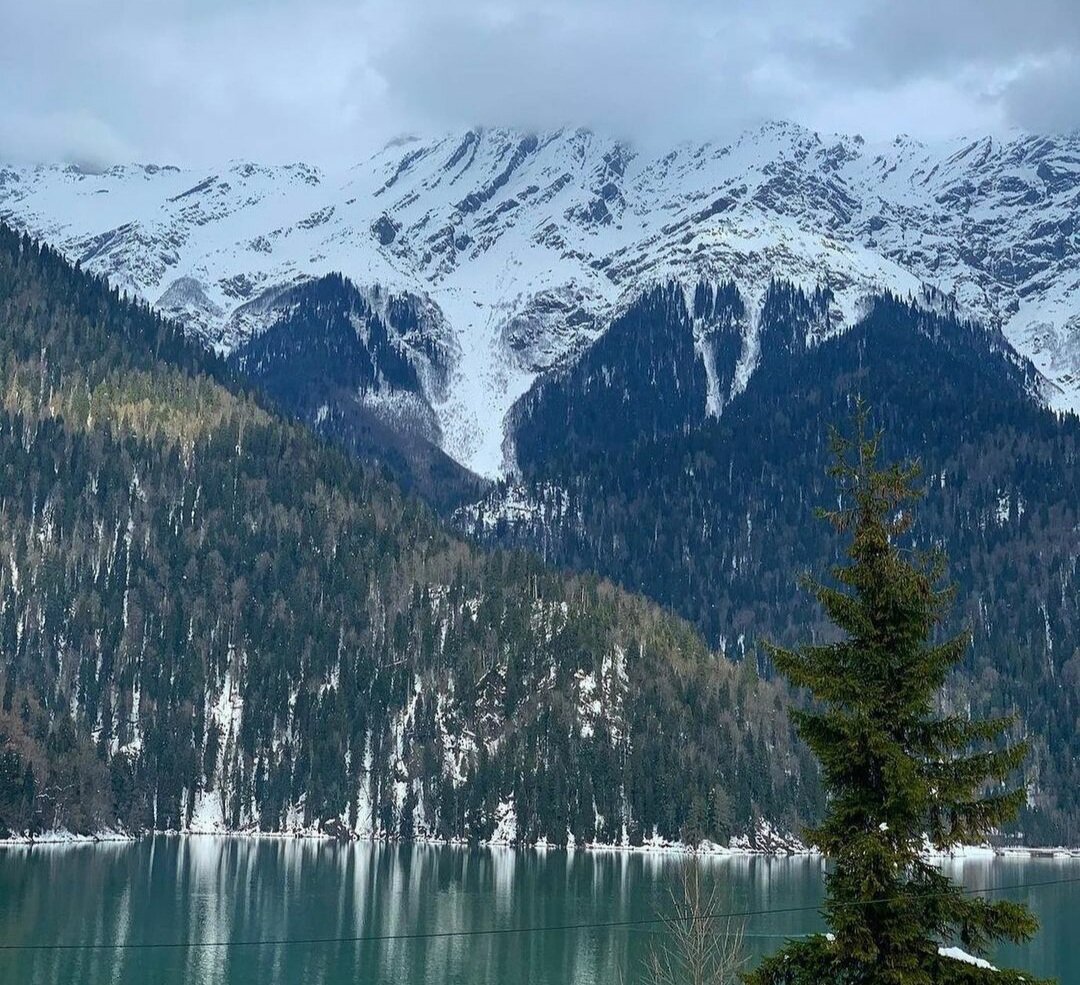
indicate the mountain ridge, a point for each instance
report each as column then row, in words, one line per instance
column 212, row 619
column 528, row 245
column 712, row 517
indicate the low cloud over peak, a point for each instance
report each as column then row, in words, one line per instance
column 331, row 80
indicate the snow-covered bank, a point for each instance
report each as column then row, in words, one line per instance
column 741, row 846
column 1002, row 851
column 764, row 840
column 738, row 848
column 63, row 837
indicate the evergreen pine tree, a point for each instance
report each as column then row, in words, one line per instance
column 897, row 773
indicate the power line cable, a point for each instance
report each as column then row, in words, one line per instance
column 494, row 931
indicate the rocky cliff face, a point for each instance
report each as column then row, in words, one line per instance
column 526, row 246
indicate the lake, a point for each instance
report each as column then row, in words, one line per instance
column 164, row 890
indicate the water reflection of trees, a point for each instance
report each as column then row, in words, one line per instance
column 196, row 888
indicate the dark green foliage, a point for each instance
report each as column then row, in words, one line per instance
column 896, row 772
column 328, row 332
column 642, row 377
column 80, row 320
column 48, row 777
column 713, row 523
column 332, row 360
column 202, row 604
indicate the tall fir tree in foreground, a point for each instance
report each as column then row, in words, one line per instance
column 896, row 772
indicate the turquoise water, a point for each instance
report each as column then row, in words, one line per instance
column 164, row 890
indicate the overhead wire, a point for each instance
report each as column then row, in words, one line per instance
column 422, row 935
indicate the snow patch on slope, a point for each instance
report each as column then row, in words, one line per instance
column 527, row 244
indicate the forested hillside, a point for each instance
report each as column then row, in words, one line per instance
column 207, row 616
column 356, row 370
column 714, row 517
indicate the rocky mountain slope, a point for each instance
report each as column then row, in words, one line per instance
column 360, row 369
column 714, row 517
column 209, row 619
column 524, row 246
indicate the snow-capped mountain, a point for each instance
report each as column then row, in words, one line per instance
column 526, row 245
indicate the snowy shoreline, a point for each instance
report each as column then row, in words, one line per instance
column 655, row 846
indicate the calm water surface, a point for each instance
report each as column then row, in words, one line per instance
column 165, row 890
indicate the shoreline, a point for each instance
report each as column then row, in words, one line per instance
column 63, row 839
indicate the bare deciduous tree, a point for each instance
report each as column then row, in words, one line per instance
column 696, row 947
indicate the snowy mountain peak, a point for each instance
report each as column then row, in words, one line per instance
column 528, row 244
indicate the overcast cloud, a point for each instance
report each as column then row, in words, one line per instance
column 193, row 81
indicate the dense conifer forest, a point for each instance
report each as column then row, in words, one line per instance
column 353, row 368
column 714, row 517
column 898, row 774
column 208, row 614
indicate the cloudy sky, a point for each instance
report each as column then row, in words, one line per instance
column 192, row 81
